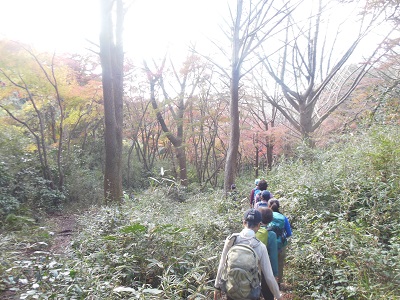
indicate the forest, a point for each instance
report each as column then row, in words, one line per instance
column 116, row 175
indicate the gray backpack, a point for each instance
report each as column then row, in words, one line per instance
column 240, row 278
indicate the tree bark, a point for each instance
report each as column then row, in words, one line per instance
column 176, row 141
column 234, row 138
column 112, row 58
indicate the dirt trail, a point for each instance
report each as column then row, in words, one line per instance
column 64, row 227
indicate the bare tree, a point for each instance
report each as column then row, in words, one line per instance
column 208, row 149
column 37, row 130
column 250, row 25
column 187, row 81
column 145, row 132
column 314, row 77
column 112, row 60
column 263, row 115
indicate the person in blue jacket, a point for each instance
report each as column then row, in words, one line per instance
column 273, row 204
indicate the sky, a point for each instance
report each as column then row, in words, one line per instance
column 151, row 26
column 49, row 24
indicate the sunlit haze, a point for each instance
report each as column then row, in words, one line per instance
column 152, row 27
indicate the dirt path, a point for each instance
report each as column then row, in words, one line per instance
column 64, row 227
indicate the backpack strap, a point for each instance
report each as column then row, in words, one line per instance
column 232, row 239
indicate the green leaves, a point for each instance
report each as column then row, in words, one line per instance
column 343, row 204
column 168, row 251
column 135, row 228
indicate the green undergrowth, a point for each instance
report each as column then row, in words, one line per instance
column 154, row 247
column 343, row 204
column 151, row 247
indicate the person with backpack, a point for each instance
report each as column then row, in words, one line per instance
column 262, row 186
column 268, row 237
column 265, row 196
column 243, row 258
column 281, row 226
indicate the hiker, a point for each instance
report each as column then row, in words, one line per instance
column 252, row 192
column 235, row 282
column 262, row 186
column 284, row 231
column 265, row 196
column 268, row 237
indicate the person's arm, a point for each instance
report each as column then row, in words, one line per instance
column 273, row 252
column 288, row 229
column 267, row 271
column 227, row 245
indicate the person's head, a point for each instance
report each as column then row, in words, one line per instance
column 262, row 185
column 274, row 205
column 252, row 219
column 266, row 215
column 265, row 195
column 256, row 181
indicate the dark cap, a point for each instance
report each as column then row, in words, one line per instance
column 252, row 216
column 266, row 195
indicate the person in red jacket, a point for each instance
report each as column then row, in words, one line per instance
column 252, row 192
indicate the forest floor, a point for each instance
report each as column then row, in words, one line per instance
column 66, row 225
column 63, row 228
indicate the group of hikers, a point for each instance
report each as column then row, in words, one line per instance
column 252, row 261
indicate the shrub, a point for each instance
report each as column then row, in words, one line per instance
column 344, row 207
column 8, row 203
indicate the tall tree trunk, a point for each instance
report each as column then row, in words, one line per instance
column 112, row 58
column 306, row 122
column 269, row 142
column 232, row 154
column 181, row 157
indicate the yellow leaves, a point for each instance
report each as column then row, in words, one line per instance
column 31, row 148
column 73, row 117
column 48, row 80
